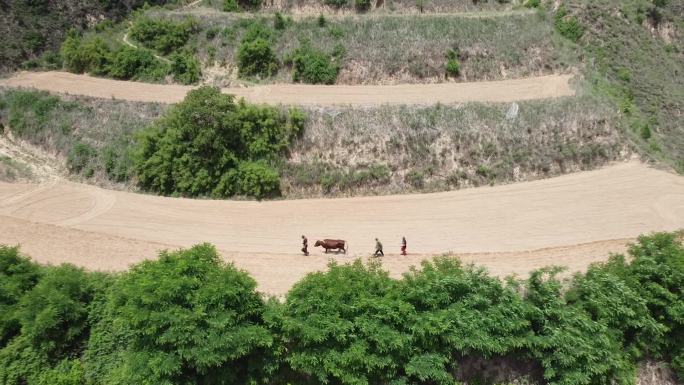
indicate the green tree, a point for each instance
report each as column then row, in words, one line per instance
column 17, row 276
column 54, row 314
column 197, row 147
column 190, row 319
column 344, row 326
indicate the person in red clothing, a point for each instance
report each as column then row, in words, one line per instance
column 403, row 245
column 305, row 246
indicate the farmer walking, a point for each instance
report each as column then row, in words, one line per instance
column 378, row 248
column 403, row 245
column 305, row 246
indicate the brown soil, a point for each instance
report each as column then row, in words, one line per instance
column 541, row 87
column 572, row 220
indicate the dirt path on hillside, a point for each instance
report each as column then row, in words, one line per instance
column 541, row 87
column 571, row 220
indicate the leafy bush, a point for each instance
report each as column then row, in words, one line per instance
column 29, row 111
column 200, row 320
column 255, row 179
column 91, row 56
column 568, row 26
column 362, row 5
column 533, row 3
column 163, row 35
column 344, row 326
column 79, row 159
column 17, row 276
column 572, row 347
column 139, row 64
column 54, row 313
column 256, row 58
column 230, row 6
column 453, row 67
column 198, row 146
column 94, row 56
column 314, row 66
column 185, row 68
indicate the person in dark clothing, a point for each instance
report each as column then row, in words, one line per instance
column 403, row 245
column 305, row 246
column 378, row 248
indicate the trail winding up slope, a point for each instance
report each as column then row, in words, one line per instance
column 541, row 87
column 571, row 220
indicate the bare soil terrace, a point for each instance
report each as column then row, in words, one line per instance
column 572, row 220
column 542, row 87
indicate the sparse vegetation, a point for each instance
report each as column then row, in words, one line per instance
column 350, row 324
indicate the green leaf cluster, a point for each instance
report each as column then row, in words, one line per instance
column 314, row 66
column 209, row 145
column 162, row 35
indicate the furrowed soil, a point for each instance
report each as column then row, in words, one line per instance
column 542, row 87
column 572, row 220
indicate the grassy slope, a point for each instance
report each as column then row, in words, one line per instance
column 346, row 151
column 389, row 49
column 638, row 65
column 30, row 28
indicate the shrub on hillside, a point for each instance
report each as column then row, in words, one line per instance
column 314, row 66
column 453, row 67
column 568, row 26
column 185, row 68
column 362, row 5
column 163, row 35
column 79, row 160
column 139, row 64
column 255, row 55
column 17, row 276
column 197, row 147
column 254, row 179
column 86, row 56
column 200, row 321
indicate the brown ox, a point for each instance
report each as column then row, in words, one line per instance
column 327, row 244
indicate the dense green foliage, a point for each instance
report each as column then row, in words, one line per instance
column 453, row 67
column 185, row 68
column 92, row 55
column 567, row 25
column 200, row 321
column 163, row 35
column 314, row 66
column 210, row 145
column 189, row 318
column 255, row 56
column 17, row 276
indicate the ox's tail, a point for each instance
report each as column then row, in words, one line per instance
column 346, row 246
